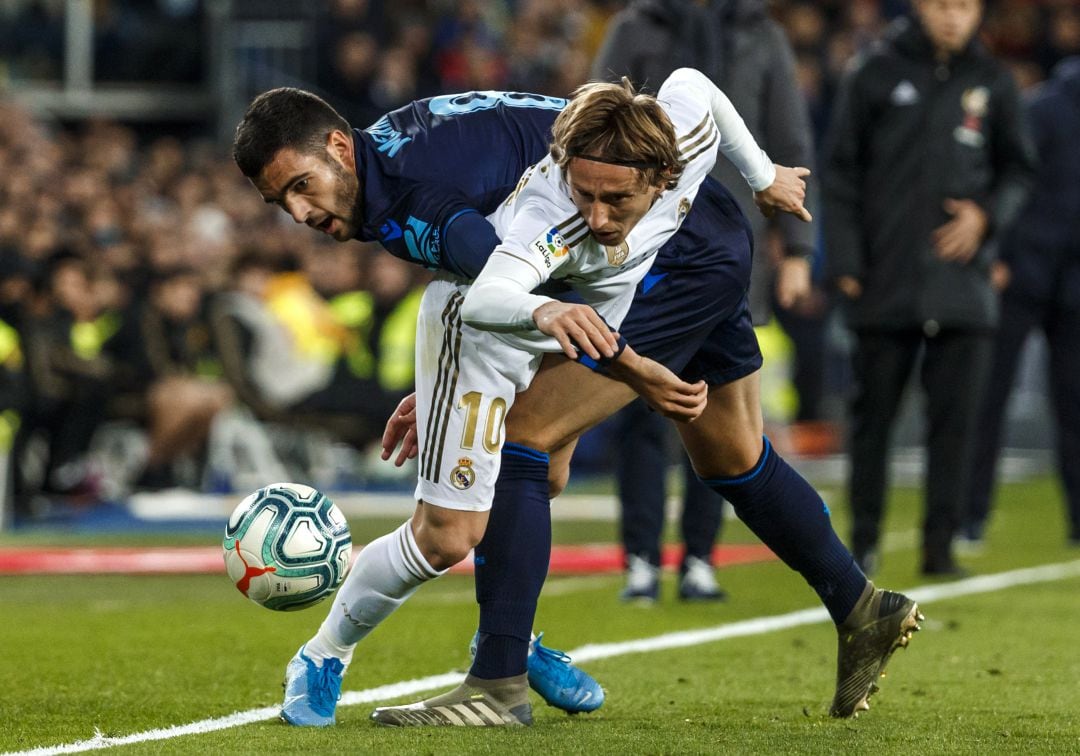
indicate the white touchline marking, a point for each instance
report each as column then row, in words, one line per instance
column 591, row 652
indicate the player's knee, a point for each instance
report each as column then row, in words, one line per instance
column 538, row 440
column 444, row 553
column 729, row 461
column 523, row 431
column 445, row 548
column 445, row 537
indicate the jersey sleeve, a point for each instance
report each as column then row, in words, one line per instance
column 499, row 299
column 440, row 228
column 531, row 250
column 468, row 241
column 691, row 101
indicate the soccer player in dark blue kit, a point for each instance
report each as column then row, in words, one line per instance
column 428, row 204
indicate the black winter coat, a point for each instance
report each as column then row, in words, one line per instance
column 908, row 133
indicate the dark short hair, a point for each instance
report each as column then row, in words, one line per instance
column 279, row 118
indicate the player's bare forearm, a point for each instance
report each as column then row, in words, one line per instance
column 786, row 193
column 664, row 391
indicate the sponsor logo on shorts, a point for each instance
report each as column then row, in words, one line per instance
column 462, row 476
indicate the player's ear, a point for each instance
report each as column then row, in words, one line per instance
column 340, row 145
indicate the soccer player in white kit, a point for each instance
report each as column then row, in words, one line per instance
column 478, row 344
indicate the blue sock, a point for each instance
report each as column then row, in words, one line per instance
column 788, row 515
column 512, row 563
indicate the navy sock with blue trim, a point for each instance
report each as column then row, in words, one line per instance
column 512, row 563
column 788, row 515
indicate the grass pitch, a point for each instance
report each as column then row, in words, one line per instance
column 993, row 672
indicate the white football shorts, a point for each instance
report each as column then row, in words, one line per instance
column 466, row 381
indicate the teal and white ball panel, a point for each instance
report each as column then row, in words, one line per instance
column 287, row 546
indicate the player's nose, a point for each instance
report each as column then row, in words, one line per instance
column 598, row 216
column 298, row 209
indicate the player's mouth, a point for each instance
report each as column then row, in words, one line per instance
column 607, row 237
column 327, row 226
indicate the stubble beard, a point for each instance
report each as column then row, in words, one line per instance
column 347, row 197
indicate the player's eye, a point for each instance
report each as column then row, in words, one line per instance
column 300, row 185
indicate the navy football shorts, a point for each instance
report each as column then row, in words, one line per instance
column 690, row 312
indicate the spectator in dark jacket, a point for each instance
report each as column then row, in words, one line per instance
column 926, row 159
column 1040, row 270
column 69, row 376
column 747, row 55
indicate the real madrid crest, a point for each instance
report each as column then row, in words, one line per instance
column 462, row 476
column 684, row 209
column 617, row 255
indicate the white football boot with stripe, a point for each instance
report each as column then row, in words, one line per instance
column 505, row 705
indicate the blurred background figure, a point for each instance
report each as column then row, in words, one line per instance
column 64, row 334
column 172, row 375
column 643, row 451
column 930, row 109
column 1039, row 269
column 738, row 45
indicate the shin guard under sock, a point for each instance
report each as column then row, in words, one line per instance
column 512, row 563
column 386, row 572
column 788, row 515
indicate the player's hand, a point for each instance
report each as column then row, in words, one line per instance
column 792, row 281
column 576, row 325
column 661, row 389
column 958, row 240
column 786, row 193
column 401, row 429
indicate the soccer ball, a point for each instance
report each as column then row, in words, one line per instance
column 287, row 546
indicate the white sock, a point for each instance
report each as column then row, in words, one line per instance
column 385, row 573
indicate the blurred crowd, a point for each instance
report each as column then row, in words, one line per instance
column 373, row 55
column 149, row 282
column 142, row 279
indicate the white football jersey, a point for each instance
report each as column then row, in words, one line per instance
column 541, row 227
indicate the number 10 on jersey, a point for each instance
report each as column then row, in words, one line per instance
column 472, row 403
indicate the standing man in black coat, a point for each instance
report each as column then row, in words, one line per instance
column 1040, row 270
column 925, row 161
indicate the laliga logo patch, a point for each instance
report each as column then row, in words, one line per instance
column 462, row 476
column 975, row 103
column 555, row 243
column 551, row 247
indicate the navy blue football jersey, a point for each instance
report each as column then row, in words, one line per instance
column 431, row 171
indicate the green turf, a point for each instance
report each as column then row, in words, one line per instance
column 990, row 673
